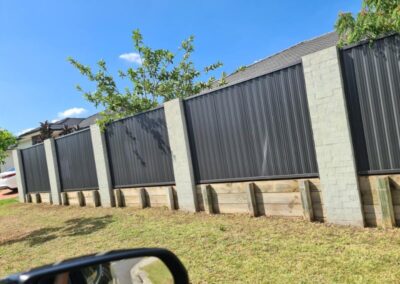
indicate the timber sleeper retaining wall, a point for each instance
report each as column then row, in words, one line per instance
column 141, row 197
column 371, row 201
column 269, row 198
column 272, row 198
column 39, row 197
column 90, row 198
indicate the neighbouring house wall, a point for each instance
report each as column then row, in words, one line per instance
column 25, row 143
column 8, row 162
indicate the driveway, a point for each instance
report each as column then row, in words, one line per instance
column 7, row 193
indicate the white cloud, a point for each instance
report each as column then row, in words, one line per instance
column 71, row 112
column 24, row 131
column 131, row 57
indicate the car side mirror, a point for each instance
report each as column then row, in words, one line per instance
column 145, row 265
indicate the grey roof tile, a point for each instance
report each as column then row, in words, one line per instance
column 284, row 58
column 89, row 120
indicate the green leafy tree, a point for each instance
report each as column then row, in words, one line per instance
column 376, row 18
column 7, row 139
column 160, row 77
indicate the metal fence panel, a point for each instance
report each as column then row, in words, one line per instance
column 258, row 129
column 76, row 161
column 139, row 152
column 35, row 169
column 371, row 74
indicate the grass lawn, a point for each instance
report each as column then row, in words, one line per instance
column 158, row 272
column 219, row 248
column 8, row 201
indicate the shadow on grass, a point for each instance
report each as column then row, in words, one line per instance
column 70, row 228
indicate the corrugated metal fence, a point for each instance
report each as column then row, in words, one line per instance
column 76, row 164
column 35, row 168
column 138, row 150
column 371, row 75
column 258, row 129
column 254, row 130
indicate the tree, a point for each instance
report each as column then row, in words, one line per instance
column 158, row 78
column 68, row 129
column 45, row 131
column 7, row 139
column 376, row 18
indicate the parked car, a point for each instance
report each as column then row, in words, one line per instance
column 8, row 179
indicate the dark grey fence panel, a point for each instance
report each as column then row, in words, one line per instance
column 76, row 161
column 258, row 129
column 35, row 169
column 139, row 152
column 371, row 75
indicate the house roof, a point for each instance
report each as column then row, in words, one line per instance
column 285, row 58
column 89, row 120
column 58, row 125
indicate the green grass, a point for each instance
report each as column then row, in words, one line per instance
column 8, row 201
column 215, row 249
column 158, row 273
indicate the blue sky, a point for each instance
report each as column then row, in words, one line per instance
column 36, row 37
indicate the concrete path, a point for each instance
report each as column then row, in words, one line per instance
column 7, row 193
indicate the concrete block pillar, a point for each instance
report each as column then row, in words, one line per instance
column 181, row 156
column 102, row 166
column 332, row 137
column 52, row 167
column 20, row 175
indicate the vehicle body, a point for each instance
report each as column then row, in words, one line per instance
column 8, row 179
